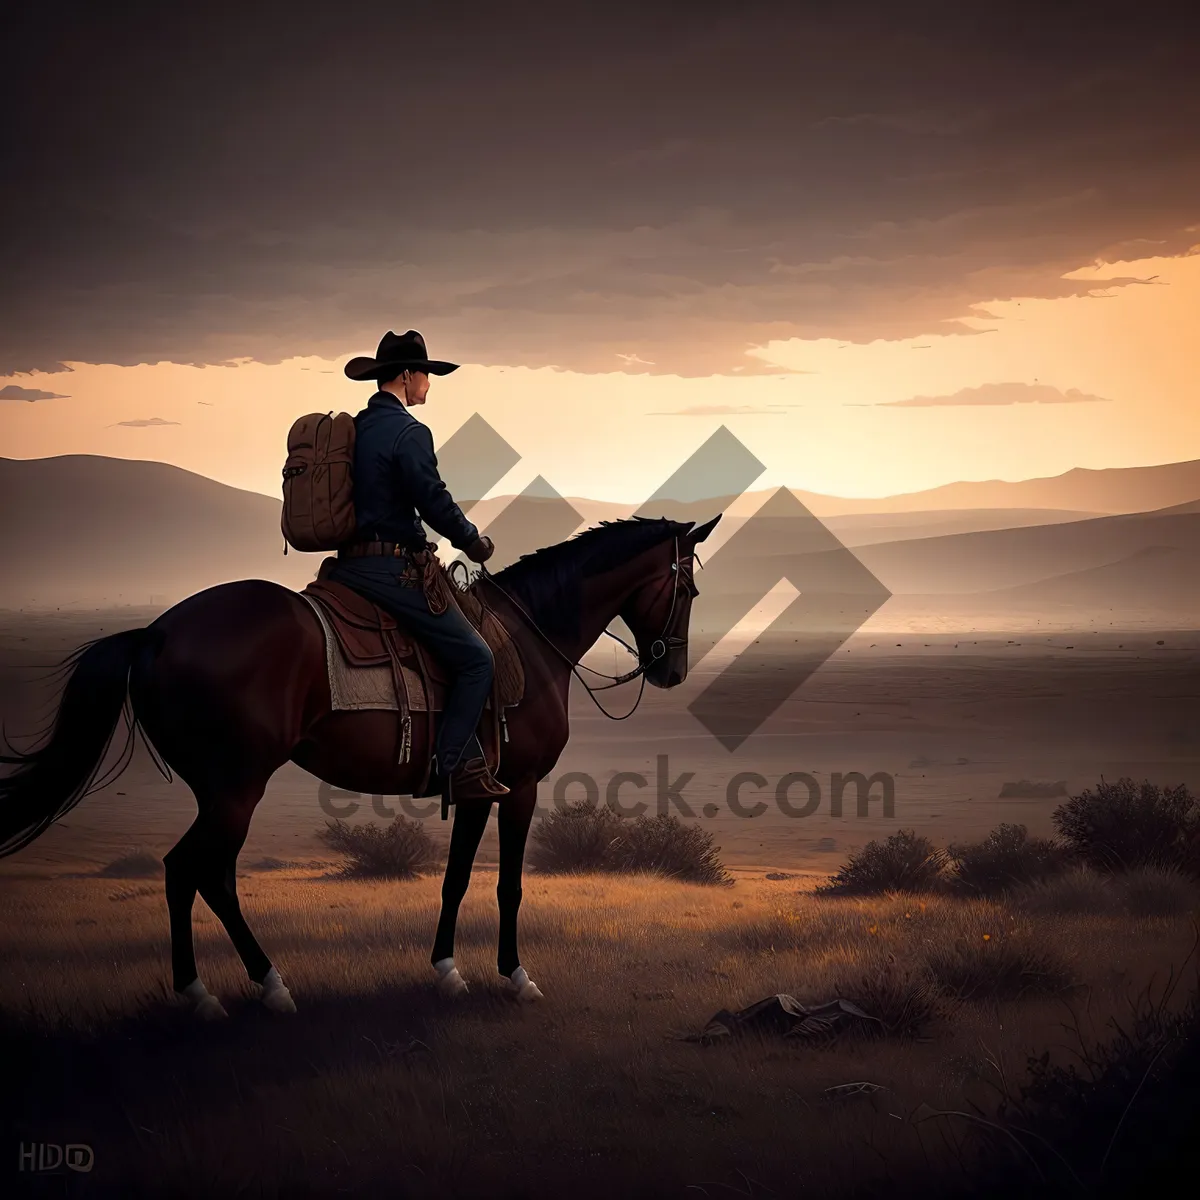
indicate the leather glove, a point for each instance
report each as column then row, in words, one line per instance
column 481, row 549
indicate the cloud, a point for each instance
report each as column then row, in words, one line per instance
column 718, row 410
column 143, row 422
column 773, row 195
column 12, row 392
column 1000, row 394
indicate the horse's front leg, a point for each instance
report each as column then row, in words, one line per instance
column 516, row 813
column 470, row 820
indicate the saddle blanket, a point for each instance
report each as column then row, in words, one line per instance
column 353, row 688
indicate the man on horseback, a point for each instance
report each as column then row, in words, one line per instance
column 396, row 487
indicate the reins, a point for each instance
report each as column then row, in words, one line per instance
column 658, row 648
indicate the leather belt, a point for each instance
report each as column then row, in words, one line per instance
column 363, row 549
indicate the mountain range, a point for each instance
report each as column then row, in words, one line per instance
column 85, row 529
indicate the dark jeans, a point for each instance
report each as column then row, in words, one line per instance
column 451, row 638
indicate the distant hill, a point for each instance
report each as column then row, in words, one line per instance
column 89, row 529
column 1161, row 577
column 84, row 528
column 1009, row 558
column 1112, row 490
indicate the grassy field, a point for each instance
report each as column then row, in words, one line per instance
column 377, row 1086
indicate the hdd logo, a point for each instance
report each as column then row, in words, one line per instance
column 781, row 543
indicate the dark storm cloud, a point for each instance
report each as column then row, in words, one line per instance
column 1000, row 393
column 579, row 186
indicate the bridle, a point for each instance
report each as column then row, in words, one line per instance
column 659, row 648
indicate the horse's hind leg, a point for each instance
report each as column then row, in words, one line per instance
column 181, row 864
column 205, row 860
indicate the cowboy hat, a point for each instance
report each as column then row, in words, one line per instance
column 397, row 353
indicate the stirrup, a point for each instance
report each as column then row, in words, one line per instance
column 471, row 780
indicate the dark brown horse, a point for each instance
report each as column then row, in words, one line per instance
column 232, row 683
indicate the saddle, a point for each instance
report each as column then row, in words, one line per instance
column 369, row 637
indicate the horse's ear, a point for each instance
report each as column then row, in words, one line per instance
column 702, row 531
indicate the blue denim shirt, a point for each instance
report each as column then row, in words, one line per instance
column 396, row 480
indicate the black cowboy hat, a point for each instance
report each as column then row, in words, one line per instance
column 398, row 353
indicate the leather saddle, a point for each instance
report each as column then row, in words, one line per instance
column 367, row 636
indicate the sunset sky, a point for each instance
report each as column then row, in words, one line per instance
column 886, row 253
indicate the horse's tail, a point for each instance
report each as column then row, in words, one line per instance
column 50, row 780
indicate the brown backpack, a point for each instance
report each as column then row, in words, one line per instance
column 318, row 482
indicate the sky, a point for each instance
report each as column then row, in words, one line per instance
column 887, row 249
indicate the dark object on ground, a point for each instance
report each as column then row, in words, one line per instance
column 779, row 875
column 904, row 862
column 784, row 1015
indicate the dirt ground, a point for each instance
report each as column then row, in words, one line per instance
column 374, row 1087
column 950, row 716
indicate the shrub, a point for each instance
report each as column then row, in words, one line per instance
column 583, row 837
column 401, row 850
column 1077, row 890
column 577, row 837
column 666, row 846
column 1156, row 892
column 1006, row 858
column 904, row 862
column 999, row 966
column 905, row 1002
column 1123, row 824
column 1095, row 1116
column 137, row 864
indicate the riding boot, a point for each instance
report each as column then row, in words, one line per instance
column 471, row 780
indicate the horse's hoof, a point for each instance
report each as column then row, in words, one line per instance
column 205, row 1005
column 279, row 1000
column 275, row 995
column 521, row 987
column 450, row 983
column 209, row 1008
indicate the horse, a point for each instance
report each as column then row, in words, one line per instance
column 232, row 682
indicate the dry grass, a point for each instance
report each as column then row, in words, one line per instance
column 1145, row 892
column 375, row 1084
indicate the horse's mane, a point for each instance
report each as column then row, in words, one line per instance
column 547, row 582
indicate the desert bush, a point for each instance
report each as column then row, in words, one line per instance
column 137, row 864
column 1155, row 892
column 1122, row 825
column 583, row 837
column 400, row 850
column 904, row 862
column 906, row 1002
column 1006, row 858
column 1095, row 1115
column 577, row 837
column 1077, row 890
column 665, row 845
column 996, row 966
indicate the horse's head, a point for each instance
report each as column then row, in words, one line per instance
column 658, row 612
